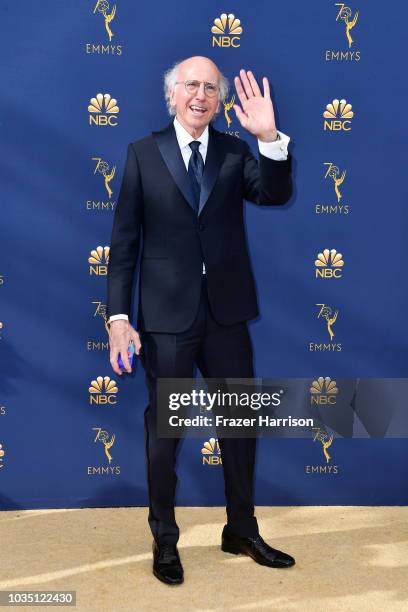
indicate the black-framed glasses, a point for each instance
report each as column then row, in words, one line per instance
column 210, row 89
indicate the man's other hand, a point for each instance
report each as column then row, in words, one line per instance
column 120, row 334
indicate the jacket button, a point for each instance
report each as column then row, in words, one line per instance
column 200, row 227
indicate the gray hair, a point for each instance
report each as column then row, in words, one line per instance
column 170, row 78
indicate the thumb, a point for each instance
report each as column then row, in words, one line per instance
column 242, row 118
column 136, row 342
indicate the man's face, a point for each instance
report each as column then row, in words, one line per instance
column 195, row 111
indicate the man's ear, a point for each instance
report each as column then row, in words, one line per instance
column 171, row 95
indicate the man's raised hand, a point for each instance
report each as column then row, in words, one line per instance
column 256, row 114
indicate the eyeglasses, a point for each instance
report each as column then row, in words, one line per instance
column 210, row 89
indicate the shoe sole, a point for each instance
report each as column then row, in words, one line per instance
column 236, row 551
column 230, row 549
column 162, row 579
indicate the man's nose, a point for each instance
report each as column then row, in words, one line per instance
column 201, row 91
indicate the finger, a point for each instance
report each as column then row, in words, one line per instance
column 241, row 94
column 137, row 343
column 246, row 83
column 124, row 354
column 114, row 362
column 125, row 360
column 242, row 118
column 254, row 83
column 265, row 83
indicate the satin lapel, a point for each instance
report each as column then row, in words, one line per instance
column 212, row 167
column 168, row 146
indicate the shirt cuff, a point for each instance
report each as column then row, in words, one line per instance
column 118, row 316
column 277, row 149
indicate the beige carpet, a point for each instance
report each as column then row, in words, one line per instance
column 348, row 558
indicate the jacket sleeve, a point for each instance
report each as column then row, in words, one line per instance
column 267, row 182
column 125, row 238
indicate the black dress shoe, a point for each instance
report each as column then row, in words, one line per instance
column 256, row 548
column 166, row 563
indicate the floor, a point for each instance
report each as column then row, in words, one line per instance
column 347, row 558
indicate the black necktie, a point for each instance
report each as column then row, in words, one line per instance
column 195, row 171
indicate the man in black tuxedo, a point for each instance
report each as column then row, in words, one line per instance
column 183, row 191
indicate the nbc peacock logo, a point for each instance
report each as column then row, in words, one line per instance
column 338, row 115
column 102, row 391
column 99, row 260
column 103, row 110
column 323, row 391
column 2, row 453
column 226, row 31
column 329, row 264
column 211, row 453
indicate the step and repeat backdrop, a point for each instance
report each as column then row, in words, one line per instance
column 82, row 79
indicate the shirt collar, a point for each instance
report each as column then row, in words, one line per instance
column 184, row 138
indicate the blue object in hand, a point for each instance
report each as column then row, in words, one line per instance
column 131, row 353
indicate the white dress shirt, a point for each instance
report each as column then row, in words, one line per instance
column 277, row 150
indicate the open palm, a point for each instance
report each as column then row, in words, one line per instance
column 256, row 114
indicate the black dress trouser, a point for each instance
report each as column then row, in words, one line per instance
column 218, row 351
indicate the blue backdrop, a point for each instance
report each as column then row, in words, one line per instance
column 57, row 162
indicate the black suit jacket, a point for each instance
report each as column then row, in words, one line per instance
column 156, row 204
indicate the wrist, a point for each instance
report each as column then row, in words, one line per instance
column 271, row 136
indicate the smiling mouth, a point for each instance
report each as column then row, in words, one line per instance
column 197, row 110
